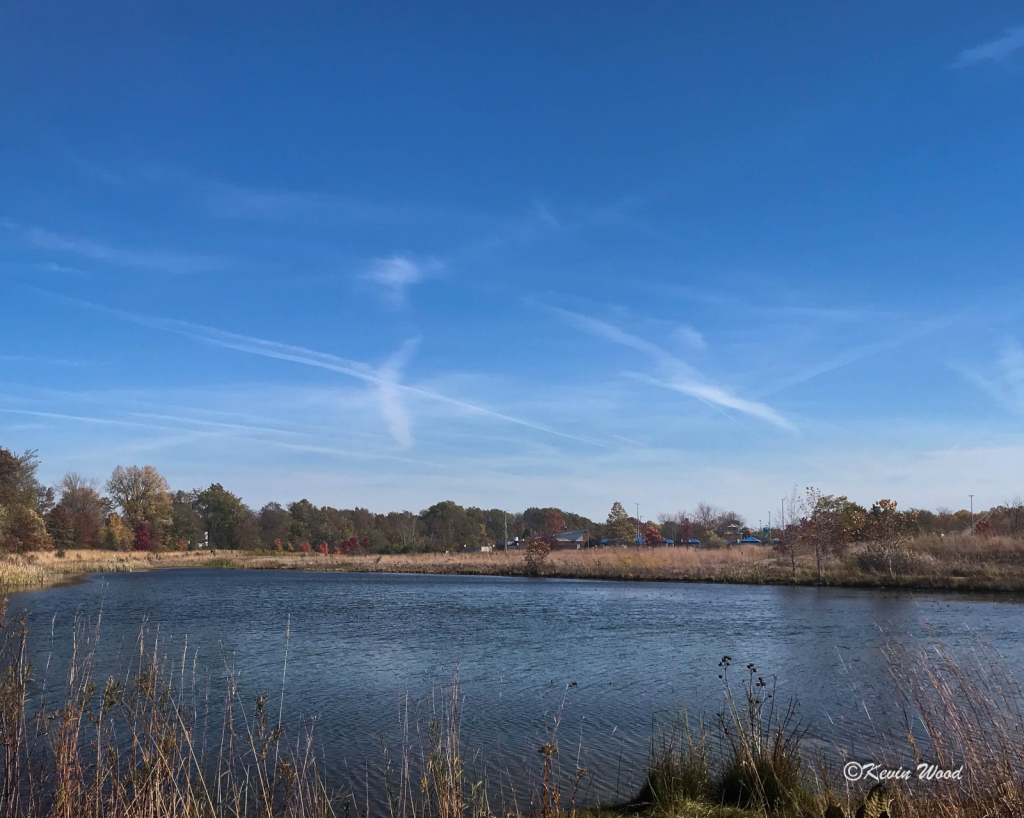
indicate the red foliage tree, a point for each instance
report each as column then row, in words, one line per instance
column 365, row 543
column 685, row 530
column 142, row 540
column 323, row 549
column 350, row 546
column 305, row 547
column 554, row 523
column 651, row 534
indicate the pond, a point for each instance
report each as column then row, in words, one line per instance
column 608, row 660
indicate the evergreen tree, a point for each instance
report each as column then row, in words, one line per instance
column 619, row 524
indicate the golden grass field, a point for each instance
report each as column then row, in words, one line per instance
column 961, row 563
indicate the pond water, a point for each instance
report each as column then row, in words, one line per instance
column 612, row 658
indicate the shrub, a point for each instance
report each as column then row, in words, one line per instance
column 884, row 558
column 536, row 552
column 677, row 770
column 350, row 546
column 762, row 769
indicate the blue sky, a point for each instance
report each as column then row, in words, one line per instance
column 383, row 254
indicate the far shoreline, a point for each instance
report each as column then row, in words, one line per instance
column 743, row 565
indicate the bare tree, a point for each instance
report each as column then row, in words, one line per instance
column 889, row 530
column 405, row 528
column 706, row 517
column 81, row 499
column 729, row 520
column 829, row 525
column 1015, row 516
column 791, row 509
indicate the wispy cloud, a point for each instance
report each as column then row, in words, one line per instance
column 159, row 260
column 395, row 275
column 673, row 373
column 390, row 394
column 194, row 434
column 94, row 170
column 861, row 352
column 1006, row 383
column 543, row 212
column 995, row 50
column 40, row 359
column 229, row 200
column 764, row 306
column 322, row 360
column 690, row 337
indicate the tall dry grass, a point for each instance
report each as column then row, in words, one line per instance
column 151, row 743
column 45, row 568
column 152, row 746
column 741, row 564
column 956, row 562
column 961, row 710
column 928, row 562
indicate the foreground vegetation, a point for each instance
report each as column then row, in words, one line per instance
column 965, row 563
column 149, row 740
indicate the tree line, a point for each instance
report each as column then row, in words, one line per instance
column 136, row 509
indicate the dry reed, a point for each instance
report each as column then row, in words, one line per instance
column 956, row 562
column 154, row 745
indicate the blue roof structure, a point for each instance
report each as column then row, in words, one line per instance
column 751, row 540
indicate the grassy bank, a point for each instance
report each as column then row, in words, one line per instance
column 962, row 563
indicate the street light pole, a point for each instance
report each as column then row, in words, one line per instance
column 638, row 521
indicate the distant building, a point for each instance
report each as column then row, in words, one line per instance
column 570, row 540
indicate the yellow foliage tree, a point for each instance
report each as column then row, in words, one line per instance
column 119, row 536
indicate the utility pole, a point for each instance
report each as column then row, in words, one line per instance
column 638, row 521
column 972, row 512
column 504, row 517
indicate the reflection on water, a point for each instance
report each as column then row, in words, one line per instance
column 610, row 657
